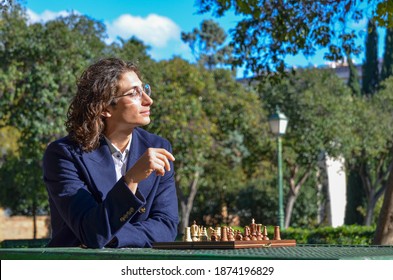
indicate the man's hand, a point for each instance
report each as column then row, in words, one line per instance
column 153, row 160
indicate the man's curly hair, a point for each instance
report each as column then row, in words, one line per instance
column 96, row 89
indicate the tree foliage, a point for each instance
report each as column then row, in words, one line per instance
column 272, row 29
column 38, row 68
column 387, row 64
column 370, row 66
column 208, row 44
column 316, row 103
column 212, row 122
column 371, row 142
column 353, row 80
column 217, row 126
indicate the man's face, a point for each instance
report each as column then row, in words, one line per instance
column 129, row 112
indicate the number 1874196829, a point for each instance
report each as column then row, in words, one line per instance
column 229, row 270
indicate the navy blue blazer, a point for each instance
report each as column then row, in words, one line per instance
column 90, row 208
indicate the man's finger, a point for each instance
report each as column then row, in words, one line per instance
column 165, row 160
column 167, row 154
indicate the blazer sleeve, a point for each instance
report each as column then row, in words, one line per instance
column 161, row 222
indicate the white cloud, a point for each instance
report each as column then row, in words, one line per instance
column 32, row 16
column 159, row 32
column 46, row 15
column 154, row 30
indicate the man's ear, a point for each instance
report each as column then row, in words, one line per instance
column 106, row 114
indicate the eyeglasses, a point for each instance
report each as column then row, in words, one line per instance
column 136, row 93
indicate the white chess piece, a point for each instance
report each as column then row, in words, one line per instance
column 218, row 232
column 195, row 232
column 187, row 235
column 203, row 235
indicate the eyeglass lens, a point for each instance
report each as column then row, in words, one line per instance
column 147, row 89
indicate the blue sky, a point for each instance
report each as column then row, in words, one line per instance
column 158, row 23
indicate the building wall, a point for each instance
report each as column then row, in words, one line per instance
column 21, row 227
column 337, row 185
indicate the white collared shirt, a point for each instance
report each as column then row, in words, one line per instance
column 119, row 158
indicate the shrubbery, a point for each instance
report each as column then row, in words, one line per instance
column 344, row 235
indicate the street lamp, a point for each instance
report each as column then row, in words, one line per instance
column 278, row 124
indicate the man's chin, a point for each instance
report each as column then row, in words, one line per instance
column 145, row 122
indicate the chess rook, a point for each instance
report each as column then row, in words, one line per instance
column 187, row 235
column 277, row 233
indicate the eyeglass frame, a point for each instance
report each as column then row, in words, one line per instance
column 146, row 88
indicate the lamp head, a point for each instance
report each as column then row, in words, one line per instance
column 278, row 123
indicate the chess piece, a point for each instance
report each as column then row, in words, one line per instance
column 224, row 233
column 259, row 232
column 254, row 236
column 209, row 233
column 277, row 233
column 253, row 228
column 218, row 232
column 195, row 232
column 238, row 236
column 231, row 235
column 265, row 237
column 187, row 235
column 200, row 233
column 246, row 233
column 213, row 236
column 204, row 234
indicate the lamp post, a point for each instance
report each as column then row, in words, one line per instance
column 278, row 125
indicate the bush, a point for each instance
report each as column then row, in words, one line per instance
column 344, row 235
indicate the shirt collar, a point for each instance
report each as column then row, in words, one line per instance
column 114, row 149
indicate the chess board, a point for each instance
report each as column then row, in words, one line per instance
column 237, row 244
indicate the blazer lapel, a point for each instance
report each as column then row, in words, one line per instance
column 101, row 168
column 138, row 146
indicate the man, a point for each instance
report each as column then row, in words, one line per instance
column 110, row 183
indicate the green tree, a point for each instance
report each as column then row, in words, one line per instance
column 136, row 51
column 271, row 30
column 316, row 103
column 38, row 67
column 179, row 117
column 355, row 197
column 241, row 141
column 370, row 66
column 214, row 124
column 8, row 140
column 208, row 44
column 353, row 80
column 263, row 38
column 387, row 65
column 371, row 141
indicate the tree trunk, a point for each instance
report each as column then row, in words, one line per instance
column 372, row 191
column 370, row 210
column 186, row 202
column 185, row 216
column 34, row 212
column 34, row 227
column 384, row 231
column 294, row 191
column 289, row 208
